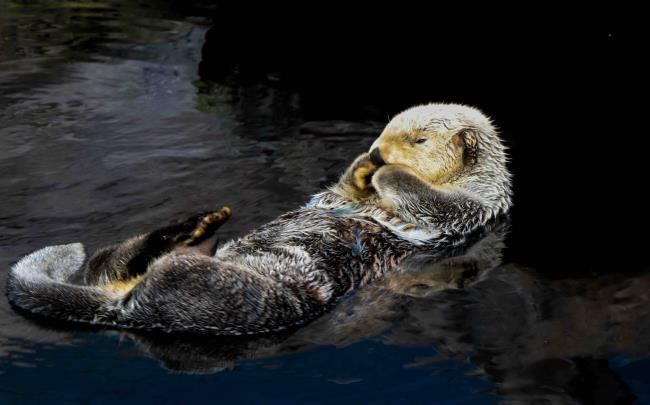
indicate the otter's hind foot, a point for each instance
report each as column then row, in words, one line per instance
column 207, row 225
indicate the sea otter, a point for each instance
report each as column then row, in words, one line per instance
column 436, row 174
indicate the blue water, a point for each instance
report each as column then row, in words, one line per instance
column 95, row 372
column 117, row 117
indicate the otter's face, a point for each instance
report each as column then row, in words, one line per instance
column 434, row 154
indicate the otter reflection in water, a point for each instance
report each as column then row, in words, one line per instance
column 535, row 339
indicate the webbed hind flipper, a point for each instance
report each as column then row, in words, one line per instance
column 131, row 258
column 207, row 225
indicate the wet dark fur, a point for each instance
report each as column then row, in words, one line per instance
column 319, row 256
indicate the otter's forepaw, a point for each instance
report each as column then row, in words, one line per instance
column 356, row 182
column 362, row 174
column 392, row 174
column 206, row 226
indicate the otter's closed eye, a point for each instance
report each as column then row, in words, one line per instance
column 421, row 140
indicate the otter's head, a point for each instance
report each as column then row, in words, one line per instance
column 448, row 145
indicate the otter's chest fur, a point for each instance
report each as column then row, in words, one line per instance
column 324, row 252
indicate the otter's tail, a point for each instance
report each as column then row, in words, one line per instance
column 39, row 284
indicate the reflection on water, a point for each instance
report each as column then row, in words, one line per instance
column 107, row 129
column 539, row 340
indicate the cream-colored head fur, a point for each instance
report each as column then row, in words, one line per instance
column 449, row 145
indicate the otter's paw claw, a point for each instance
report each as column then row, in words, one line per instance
column 207, row 225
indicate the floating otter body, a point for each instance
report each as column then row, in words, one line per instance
column 435, row 175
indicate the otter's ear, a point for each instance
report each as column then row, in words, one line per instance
column 467, row 139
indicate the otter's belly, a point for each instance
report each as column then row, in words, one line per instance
column 317, row 250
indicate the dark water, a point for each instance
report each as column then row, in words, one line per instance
column 117, row 117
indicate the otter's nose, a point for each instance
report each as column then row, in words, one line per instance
column 375, row 157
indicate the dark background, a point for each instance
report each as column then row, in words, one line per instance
column 555, row 84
